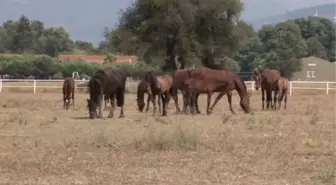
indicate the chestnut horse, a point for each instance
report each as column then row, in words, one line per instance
column 143, row 88
column 180, row 76
column 266, row 80
column 205, row 80
column 282, row 90
column 160, row 86
column 68, row 90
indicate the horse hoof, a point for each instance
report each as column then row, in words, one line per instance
column 122, row 116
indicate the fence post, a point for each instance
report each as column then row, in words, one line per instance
column 34, row 86
column 0, row 85
column 290, row 88
column 327, row 87
column 252, row 85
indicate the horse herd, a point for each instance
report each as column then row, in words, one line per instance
column 110, row 84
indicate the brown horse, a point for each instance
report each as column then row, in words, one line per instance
column 109, row 82
column 282, row 90
column 266, row 79
column 205, row 80
column 68, row 90
column 143, row 88
column 160, row 86
column 180, row 76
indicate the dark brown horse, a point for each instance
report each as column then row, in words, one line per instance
column 180, row 76
column 266, row 80
column 160, row 86
column 109, row 82
column 282, row 90
column 143, row 88
column 209, row 81
column 68, row 92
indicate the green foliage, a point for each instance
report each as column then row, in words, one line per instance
column 22, row 66
column 31, row 36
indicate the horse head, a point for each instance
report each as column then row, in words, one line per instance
column 257, row 77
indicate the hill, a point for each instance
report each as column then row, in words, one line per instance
column 326, row 10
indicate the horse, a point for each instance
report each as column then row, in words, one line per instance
column 68, row 89
column 143, row 88
column 282, row 88
column 179, row 78
column 205, row 80
column 160, row 86
column 109, row 82
column 266, row 79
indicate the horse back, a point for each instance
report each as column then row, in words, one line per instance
column 165, row 82
column 179, row 78
column 68, row 85
column 283, row 83
column 270, row 77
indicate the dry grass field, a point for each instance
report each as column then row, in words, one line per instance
column 40, row 143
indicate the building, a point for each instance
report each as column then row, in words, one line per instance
column 99, row 58
column 315, row 69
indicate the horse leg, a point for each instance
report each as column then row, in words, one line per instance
column 73, row 99
column 64, row 101
column 263, row 98
column 209, row 102
column 186, row 101
column 159, row 96
column 280, row 97
column 229, row 97
column 196, row 103
column 268, row 98
column 175, row 97
column 285, row 103
column 153, row 99
column 165, row 100
column 219, row 96
column 148, row 100
column 100, row 115
column 191, row 101
column 275, row 99
column 112, row 107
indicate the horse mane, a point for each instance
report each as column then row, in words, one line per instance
column 150, row 78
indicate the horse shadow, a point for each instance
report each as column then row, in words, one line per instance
column 80, row 118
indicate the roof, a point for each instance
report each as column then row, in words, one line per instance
column 314, row 59
column 98, row 58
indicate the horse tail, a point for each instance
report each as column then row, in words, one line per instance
column 120, row 93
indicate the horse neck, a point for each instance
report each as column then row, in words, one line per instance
column 240, row 88
column 141, row 92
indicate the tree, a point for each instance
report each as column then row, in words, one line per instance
column 179, row 31
column 55, row 40
column 284, row 43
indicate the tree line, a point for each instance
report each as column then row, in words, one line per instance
column 168, row 35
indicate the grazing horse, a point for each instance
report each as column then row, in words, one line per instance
column 282, row 88
column 205, row 80
column 68, row 89
column 266, row 79
column 180, row 76
column 143, row 88
column 109, row 82
column 160, row 86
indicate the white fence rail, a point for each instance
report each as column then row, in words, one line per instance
column 35, row 84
